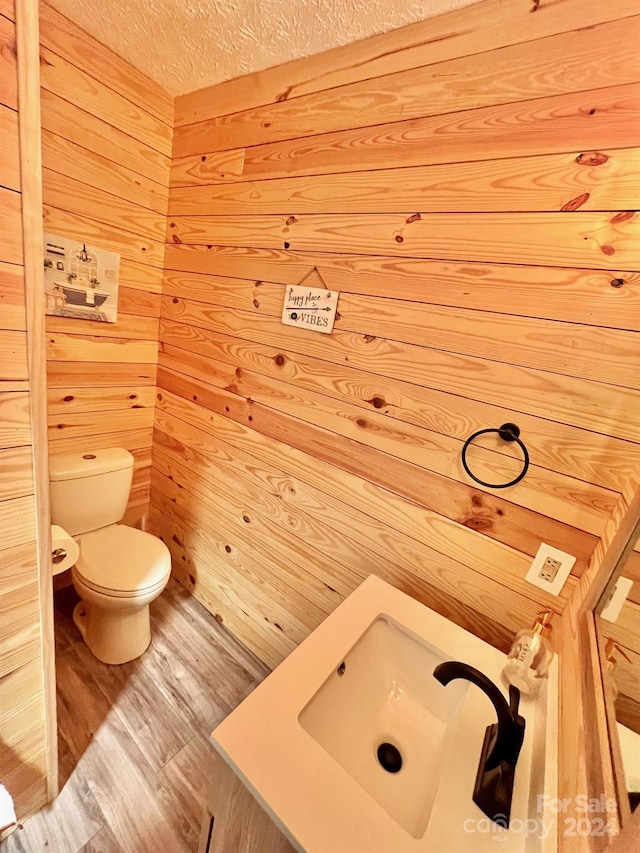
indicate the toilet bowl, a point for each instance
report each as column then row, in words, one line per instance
column 119, row 572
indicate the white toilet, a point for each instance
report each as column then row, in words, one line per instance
column 120, row 570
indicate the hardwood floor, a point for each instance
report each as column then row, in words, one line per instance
column 133, row 739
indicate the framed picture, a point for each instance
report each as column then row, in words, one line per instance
column 80, row 280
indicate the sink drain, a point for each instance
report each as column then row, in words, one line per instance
column 389, row 757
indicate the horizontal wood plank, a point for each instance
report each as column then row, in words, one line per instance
column 84, row 374
column 13, row 355
column 61, row 401
column 475, row 29
column 68, row 347
column 599, row 408
column 567, row 499
column 485, row 334
column 17, row 518
column 598, row 240
column 130, row 326
column 15, row 419
column 82, row 128
column 84, row 200
column 545, row 183
column 16, row 472
column 273, row 489
column 12, row 308
column 8, row 67
column 91, row 423
column 545, row 67
column 67, row 39
column 586, row 455
column 80, row 164
column 11, row 227
column 439, row 494
column 593, row 297
column 131, row 247
column 581, row 121
column 60, row 77
column 10, row 147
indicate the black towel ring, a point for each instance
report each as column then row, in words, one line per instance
column 507, row 432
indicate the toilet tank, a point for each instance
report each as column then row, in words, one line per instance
column 89, row 490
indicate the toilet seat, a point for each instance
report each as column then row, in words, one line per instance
column 122, row 561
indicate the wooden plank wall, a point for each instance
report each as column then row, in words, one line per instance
column 625, row 631
column 106, row 143
column 23, row 735
column 468, row 184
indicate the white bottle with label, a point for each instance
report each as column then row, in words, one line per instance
column 530, row 657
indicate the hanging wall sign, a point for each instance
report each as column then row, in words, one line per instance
column 80, row 280
column 311, row 308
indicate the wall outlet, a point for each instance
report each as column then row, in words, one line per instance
column 617, row 598
column 550, row 569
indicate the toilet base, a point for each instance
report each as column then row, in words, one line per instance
column 113, row 636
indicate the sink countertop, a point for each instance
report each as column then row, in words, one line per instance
column 320, row 808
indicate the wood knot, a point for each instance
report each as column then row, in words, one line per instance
column 68, row 398
column 476, row 500
column 238, row 372
column 284, row 95
column 227, row 548
column 291, row 220
column 193, row 580
column 399, row 238
column 246, row 519
column 377, row 402
column 204, row 158
column 478, row 523
column 616, row 282
column 536, row 6
column 175, row 238
column 413, row 218
column 176, row 540
column 175, row 300
column 218, row 618
column 624, row 216
column 362, row 423
column 607, row 250
column 267, row 124
column 369, row 338
column 286, row 244
column 591, row 158
column 256, row 304
column 279, row 359
column 576, row 202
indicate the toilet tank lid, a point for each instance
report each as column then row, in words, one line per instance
column 74, row 466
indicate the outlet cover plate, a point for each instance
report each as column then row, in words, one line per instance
column 618, row 596
column 538, row 568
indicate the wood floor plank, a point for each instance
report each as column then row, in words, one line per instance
column 133, row 759
column 103, row 841
column 55, row 830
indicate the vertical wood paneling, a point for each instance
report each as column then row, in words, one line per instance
column 484, row 239
column 106, row 140
column 27, row 757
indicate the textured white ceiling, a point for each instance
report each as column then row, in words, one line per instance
column 188, row 44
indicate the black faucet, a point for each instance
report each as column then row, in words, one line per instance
column 493, row 789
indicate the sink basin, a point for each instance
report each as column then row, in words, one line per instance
column 306, row 741
column 387, row 722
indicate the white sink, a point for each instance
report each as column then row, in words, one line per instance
column 305, row 741
column 383, row 693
